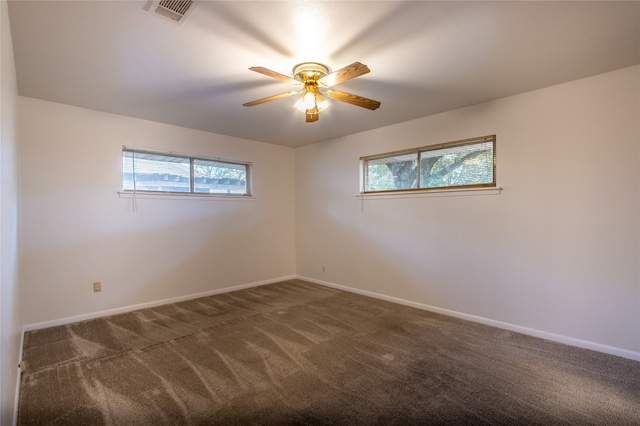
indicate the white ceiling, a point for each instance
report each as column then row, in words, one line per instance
column 425, row 57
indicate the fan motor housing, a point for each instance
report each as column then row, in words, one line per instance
column 310, row 70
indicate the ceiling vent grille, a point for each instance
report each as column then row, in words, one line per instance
column 175, row 10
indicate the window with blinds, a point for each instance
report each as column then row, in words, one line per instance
column 462, row 164
column 155, row 171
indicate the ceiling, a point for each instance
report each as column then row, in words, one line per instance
column 425, row 57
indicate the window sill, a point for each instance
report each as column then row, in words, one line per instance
column 431, row 193
column 184, row 195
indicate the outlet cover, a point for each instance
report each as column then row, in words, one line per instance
column 97, row 286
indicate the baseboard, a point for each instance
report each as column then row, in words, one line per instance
column 499, row 324
column 125, row 309
column 16, row 397
column 624, row 353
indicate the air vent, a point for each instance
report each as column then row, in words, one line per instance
column 175, row 10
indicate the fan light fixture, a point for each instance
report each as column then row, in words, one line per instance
column 316, row 82
column 311, row 102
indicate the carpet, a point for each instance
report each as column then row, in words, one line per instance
column 299, row 353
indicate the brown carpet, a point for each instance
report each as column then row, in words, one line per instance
column 298, row 353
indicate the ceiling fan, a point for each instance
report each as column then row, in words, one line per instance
column 316, row 81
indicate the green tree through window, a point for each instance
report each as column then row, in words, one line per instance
column 457, row 164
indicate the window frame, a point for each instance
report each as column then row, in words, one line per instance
column 364, row 175
column 192, row 184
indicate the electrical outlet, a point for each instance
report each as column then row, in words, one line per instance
column 324, row 269
column 22, row 366
column 97, row 286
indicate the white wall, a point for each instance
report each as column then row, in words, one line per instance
column 77, row 230
column 557, row 251
column 10, row 301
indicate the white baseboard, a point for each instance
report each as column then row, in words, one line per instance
column 624, row 353
column 125, row 309
column 16, row 397
column 499, row 324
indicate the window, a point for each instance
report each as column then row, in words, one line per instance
column 462, row 164
column 169, row 172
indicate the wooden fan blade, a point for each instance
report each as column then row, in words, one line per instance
column 353, row 99
column 270, row 98
column 354, row 70
column 276, row 75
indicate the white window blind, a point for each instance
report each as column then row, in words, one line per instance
column 462, row 164
column 179, row 173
